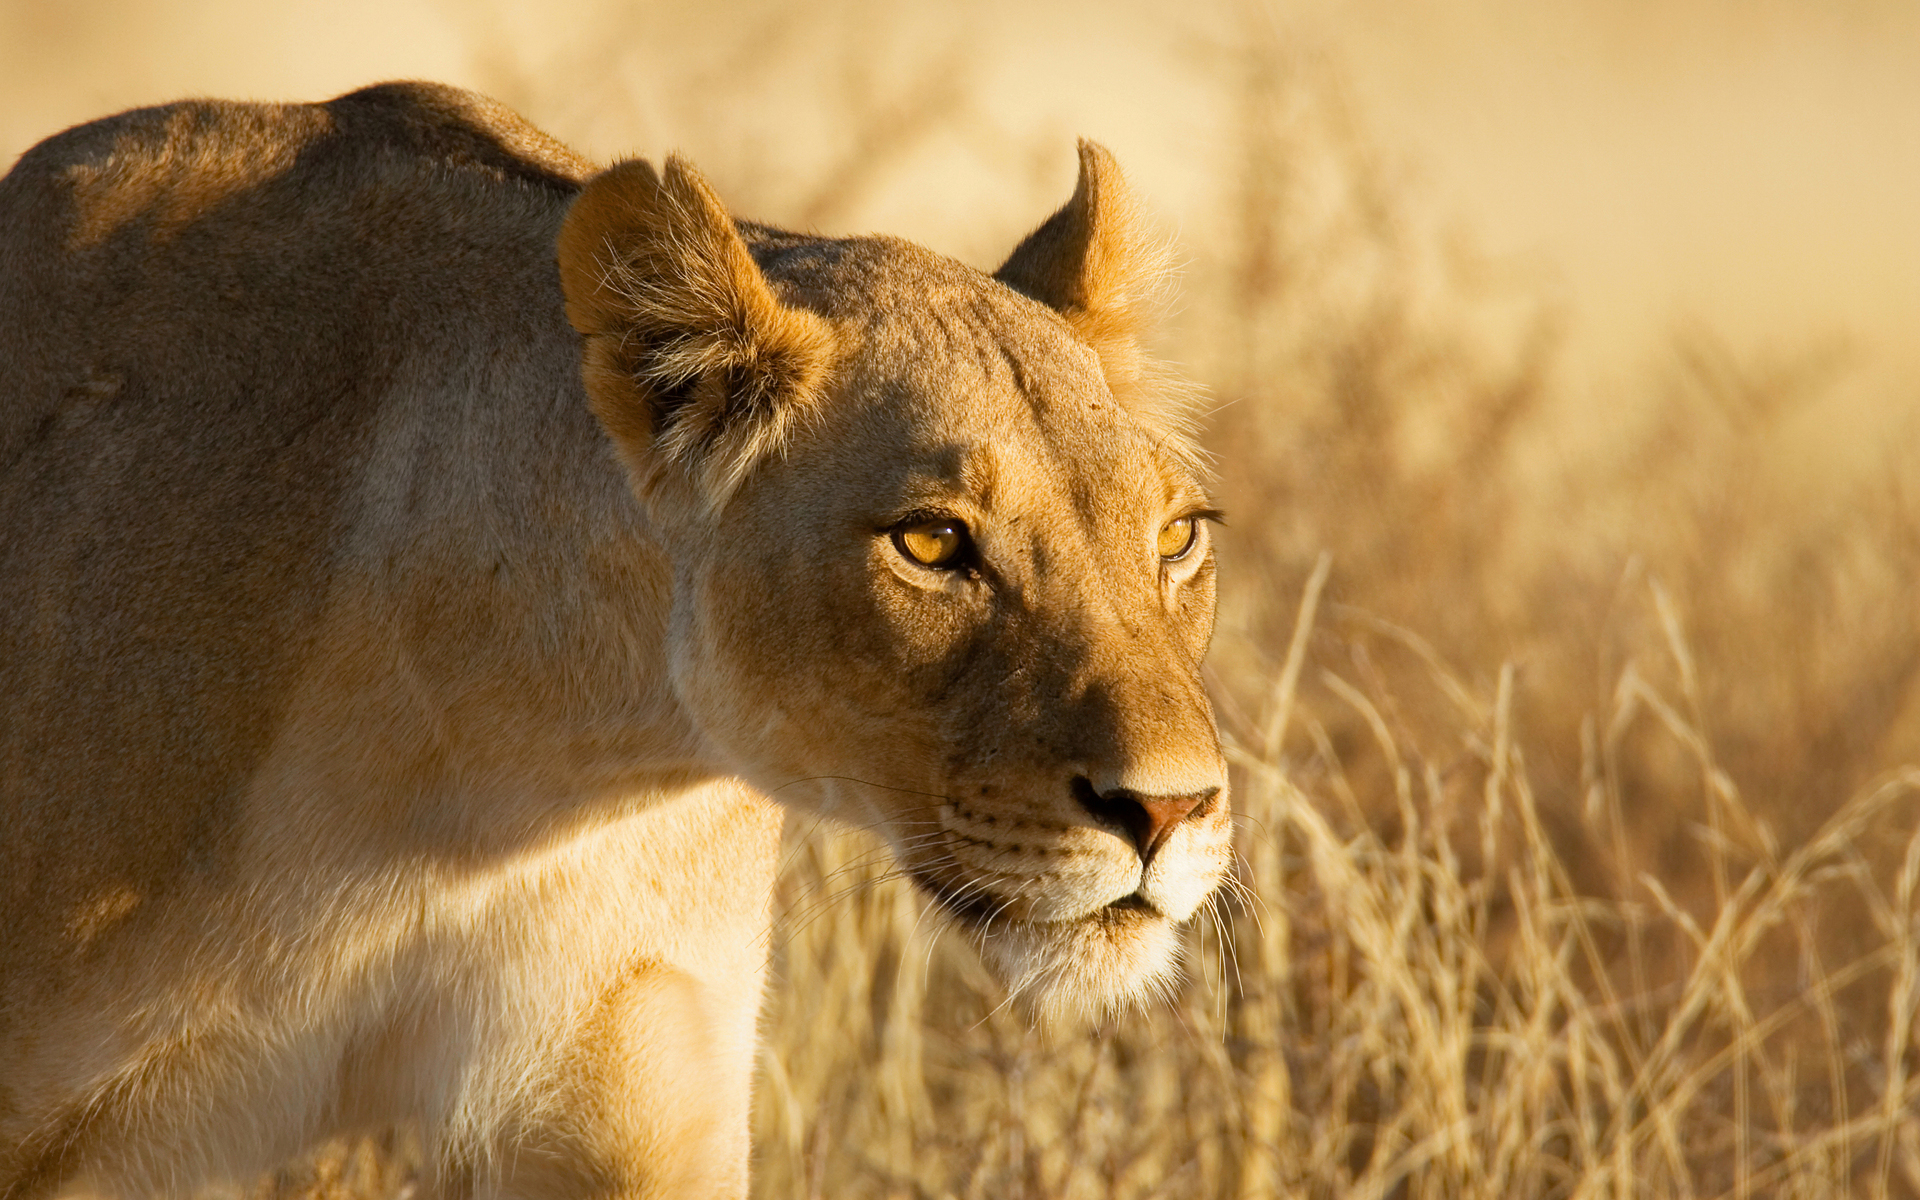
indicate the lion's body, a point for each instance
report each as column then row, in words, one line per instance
column 365, row 753
column 243, row 542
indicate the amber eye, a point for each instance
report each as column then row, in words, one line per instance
column 932, row 543
column 1176, row 538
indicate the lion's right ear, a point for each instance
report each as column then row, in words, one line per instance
column 690, row 361
column 1098, row 264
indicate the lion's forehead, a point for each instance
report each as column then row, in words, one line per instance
column 960, row 389
column 1102, row 483
column 913, row 311
column 980, row 447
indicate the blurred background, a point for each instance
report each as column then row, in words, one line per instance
column 1564, row 381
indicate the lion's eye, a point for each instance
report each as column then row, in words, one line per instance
column 1176, row 538
column 932, row 543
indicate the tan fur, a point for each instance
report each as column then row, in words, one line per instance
column 421, row 559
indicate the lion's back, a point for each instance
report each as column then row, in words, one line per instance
column 206, row 310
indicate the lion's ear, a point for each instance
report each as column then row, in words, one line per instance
column 1097, row 263
column 690, row 361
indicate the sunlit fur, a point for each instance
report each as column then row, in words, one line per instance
column 424, row 556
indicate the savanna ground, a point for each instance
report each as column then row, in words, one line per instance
column 1579, row 831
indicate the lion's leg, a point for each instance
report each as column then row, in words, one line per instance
column 649, row 1090
column 653, row 1100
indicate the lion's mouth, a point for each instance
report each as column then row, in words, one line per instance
column 1115, row 956
column 969, row 905
column 975, row 907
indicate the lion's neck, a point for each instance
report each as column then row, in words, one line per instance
column 496, row 637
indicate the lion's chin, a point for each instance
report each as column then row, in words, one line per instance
column 1073, row 972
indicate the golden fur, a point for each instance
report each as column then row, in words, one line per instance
column 421, row 559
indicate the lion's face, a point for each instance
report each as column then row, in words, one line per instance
column 964, row 604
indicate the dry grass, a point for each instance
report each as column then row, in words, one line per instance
column 1379, row 1020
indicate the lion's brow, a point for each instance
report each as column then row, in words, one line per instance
column 980, row 474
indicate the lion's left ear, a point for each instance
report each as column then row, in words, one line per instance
column 1098, row 264
column 694, row 366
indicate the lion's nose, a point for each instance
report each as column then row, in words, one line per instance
column 1147, row 820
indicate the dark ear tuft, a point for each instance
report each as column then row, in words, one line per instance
column 690, row 360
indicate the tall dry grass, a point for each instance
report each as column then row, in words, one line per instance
column 1578, row 856
column 1379, row 1019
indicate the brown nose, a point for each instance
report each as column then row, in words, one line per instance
column 1147, row 820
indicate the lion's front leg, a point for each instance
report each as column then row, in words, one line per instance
column 657, row 940
column 651, row 1100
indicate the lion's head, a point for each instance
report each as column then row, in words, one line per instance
column 941, row 557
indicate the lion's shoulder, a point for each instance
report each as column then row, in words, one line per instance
column 461, row 129
column 379, row 161
column 225, row 328
column 204, row 223
column 202, row 145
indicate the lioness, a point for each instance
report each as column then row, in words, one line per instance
column 422, row 557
